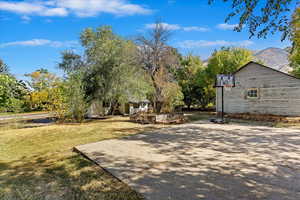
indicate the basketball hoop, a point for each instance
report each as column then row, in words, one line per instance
column 225, row 82
column 227, row 88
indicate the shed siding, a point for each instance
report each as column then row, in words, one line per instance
column 279, row 94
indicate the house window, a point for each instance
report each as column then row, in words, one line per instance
column 252, row 93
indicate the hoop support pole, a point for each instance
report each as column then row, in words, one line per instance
column 222, row 103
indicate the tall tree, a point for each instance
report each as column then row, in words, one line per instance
column 43, row 85
column 12, row 91
column 42, row 79
column 70, row 95
column 12, row 94
column 227, row 60
column 187, row 76
column 71, row 62
column 157, row 57
column 112, row 73
column 295, row 52
column 262, row 16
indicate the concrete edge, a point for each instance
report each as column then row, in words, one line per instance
column 76, row 150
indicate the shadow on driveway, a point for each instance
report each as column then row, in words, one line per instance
column 205, row 161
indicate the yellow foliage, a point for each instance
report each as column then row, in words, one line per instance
column 171, row 94
column 38, row 100
column 46, row 100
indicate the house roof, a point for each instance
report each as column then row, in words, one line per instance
column 137, row 100
column 252, row 62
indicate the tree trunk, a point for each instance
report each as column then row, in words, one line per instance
column 189, row 106
column 112, row 108
column 157, row 97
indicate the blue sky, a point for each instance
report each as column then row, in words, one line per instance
column 34, row 32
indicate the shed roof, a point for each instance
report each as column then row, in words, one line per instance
column 252, row 62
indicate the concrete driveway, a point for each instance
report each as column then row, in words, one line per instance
column 205, row 161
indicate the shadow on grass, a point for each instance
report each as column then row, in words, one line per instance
column 35, row 123
column 25, row 123
column 66, row 178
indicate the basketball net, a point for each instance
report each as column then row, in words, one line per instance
column 227, row 88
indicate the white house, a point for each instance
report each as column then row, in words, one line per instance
column 97, row 108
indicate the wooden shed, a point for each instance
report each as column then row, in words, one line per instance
column 261, row 90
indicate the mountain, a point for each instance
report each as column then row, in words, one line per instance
column 275, row 58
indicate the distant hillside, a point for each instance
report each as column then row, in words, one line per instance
column 275, row 58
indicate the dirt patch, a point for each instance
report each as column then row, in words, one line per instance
column 151, row 118
column 266, row 118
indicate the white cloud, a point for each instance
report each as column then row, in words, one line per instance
column 174, row 27
column 32, row 8
column 227, row 26
column 81, row 8
column 40, row 42
column 55, row 12
column 86, row 8
column 191, row 44
column 171, row 27
column 195, row 28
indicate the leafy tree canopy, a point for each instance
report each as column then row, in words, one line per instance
column 12, row 93
column 187, row 76
column 42, row 79
column 227, row 60
column 112, row 72
column 70, row 61
column 44, row 85
column 262, row 16
column 295, row 53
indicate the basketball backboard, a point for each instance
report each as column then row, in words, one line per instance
column 225, row 80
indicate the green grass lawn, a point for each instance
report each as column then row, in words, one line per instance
column 38, row 163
